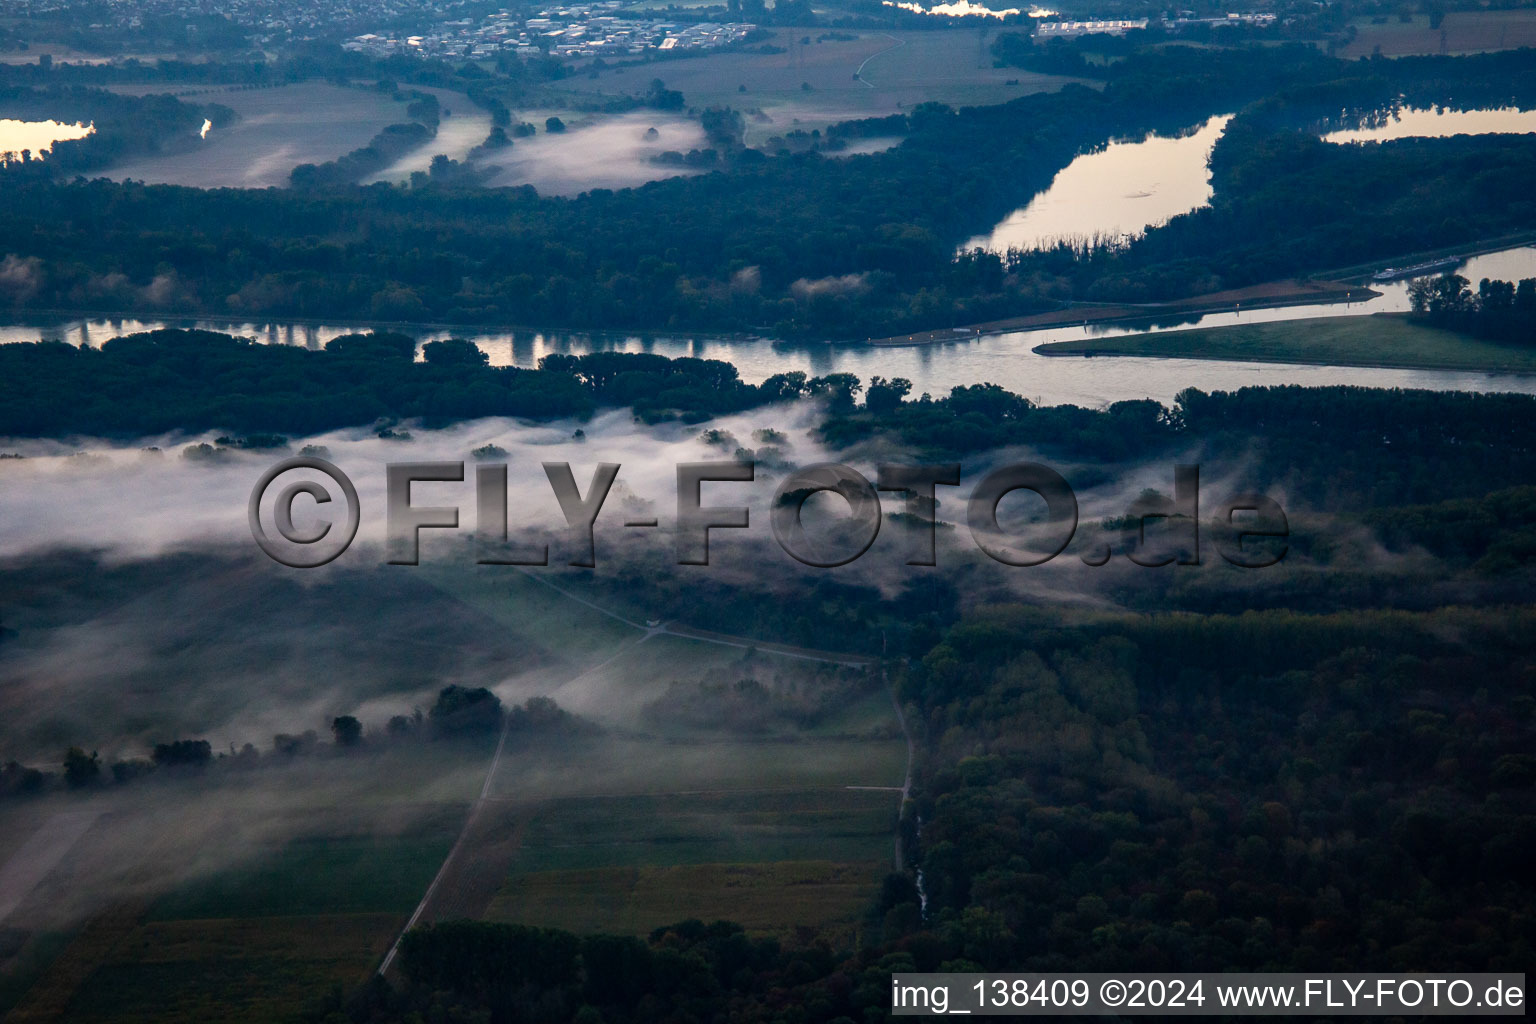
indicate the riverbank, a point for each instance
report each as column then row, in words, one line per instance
column 1362, row 272
column 1270, row 295
column 1386, row 340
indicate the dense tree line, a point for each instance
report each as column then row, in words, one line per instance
column 188, row 380
column 458, row 713
column 799, row 244
column 392, row 142
column 685, row 971
column 1111, row 792
column 123, row 127
column 1266, row 791
column 1287, row 203
column 1498, row 310
column 1339, row 447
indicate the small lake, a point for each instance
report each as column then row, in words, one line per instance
column 1126, row 188
column 1121, row 189
column 36, row 137
column 1004, row 359
column 1436, row 123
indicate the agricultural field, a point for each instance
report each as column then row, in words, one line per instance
column 702, row 827
column 659, row 820
column 769, row 898
column 463, row 127
column 278, row 129
column 1383, row 339
column 267, row 667
column 1461, row 32
column 226, row 970
column 813, row 84
column 230, row 896
column 769, row 849
column 594, row 151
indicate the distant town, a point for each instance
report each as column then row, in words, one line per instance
column 578, row 30
column 459, row 29
column 1069, row 29
column 269, row 22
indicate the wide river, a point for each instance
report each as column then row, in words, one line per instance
column 1005, row 359
column 1120, row 188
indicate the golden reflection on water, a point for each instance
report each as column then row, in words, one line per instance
column 1419, row 123
column 1119, row 190
column 36, row 137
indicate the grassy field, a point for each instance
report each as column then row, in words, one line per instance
column 241, row 896
column 1461, row 32
column 319, row 875
column 844, row 825
column 569, row 635
column 619, row 765
column 899, row 70
column 1386, row 339
column 635, row 829
column 206, row 971
column 308, row 122
column 295, row 878
column 765, row 898
column 776, row 862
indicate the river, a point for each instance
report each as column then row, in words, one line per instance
column 1005, row 359
column 1120, row 188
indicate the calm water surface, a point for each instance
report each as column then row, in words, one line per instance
column 1004, row 359
column 1122, row 189
column 1125, row 188
column 1437, row 123
column 36, row 136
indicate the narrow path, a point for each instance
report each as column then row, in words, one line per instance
column 859, row 73
column 646, row 632
column 906, row 784
column 485, row 797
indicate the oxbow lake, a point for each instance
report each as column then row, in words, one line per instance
column 1125, row 188
column 1121, row 188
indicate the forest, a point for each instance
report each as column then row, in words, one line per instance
column 798, row 243
column 1500, row 310
column 1177, row 771
column 1331, row 774
column 192, row 380
column 1326, row 766
column 1268, row 791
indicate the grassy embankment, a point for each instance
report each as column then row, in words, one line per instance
column 1385, row 339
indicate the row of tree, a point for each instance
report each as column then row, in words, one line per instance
column 1498, row 310
column 458, row 712
column 796, row 243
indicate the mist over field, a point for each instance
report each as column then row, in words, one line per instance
column 1213, row 653
column 136, row 583
column 604, row 152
